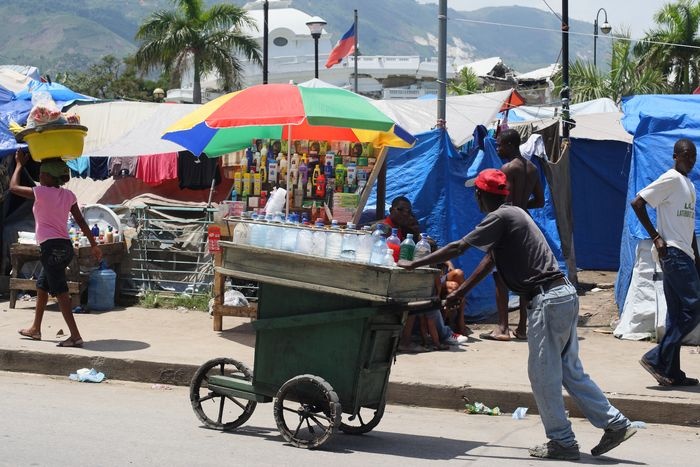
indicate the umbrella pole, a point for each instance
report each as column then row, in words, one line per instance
column 289, row 164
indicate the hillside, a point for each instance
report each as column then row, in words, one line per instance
column 71, row 34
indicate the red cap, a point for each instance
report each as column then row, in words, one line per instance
column 492, row 181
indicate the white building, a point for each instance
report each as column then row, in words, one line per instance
column 291, row 58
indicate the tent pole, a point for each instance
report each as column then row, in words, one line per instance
column 289, row 164
column 381, row 188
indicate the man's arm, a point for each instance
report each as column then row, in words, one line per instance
column 441, row 255
column 639, row 205
column 537, row 200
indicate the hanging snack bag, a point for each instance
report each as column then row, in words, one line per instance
column 44, row 110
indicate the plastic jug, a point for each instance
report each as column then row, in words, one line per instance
column 305, row 241
column 408, row 247
column 334, row 241
column 101, row 286
column 348, row 251
column 319, row 240
column 289, row 233
column 364, row 246
column 241, row 233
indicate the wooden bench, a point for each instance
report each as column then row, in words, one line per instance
column 112, row 253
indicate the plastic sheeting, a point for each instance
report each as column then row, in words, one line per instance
column 432, row 176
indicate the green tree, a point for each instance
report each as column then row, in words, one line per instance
column 206, row 39
column 625, row 77
column 678, row 23
column 466, row 82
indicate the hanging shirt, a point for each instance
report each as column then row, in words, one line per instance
column 117, row 164
column 196, row 173
column 98, row 168
column 51, row 208
column 79, row 167
column 157, row 168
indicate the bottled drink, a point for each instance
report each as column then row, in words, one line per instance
column 273, row 239
column 319, row 240
column 289, row 234
column 394, row 243
column 334, row 241
column 407, row 248
column 422, row 247
column 95, row 231
column 378, row 247
column 364, row 246
column 348, row 250
column 256, row 235
column 389, row 258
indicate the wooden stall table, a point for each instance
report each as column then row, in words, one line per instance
column 219, row 310
column 112, row 253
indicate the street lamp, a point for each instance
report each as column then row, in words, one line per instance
column 605, row 28
column 315, row 25
column 158, row 94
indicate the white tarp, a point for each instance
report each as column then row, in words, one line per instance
column 600, row 126
column 13, row 80
column 130, row 129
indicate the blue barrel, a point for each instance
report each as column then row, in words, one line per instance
column 101, row 287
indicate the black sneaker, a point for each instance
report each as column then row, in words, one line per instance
column 554, row 450
column 661, row 379
column 612, row 439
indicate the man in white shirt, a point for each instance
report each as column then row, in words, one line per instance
column 672, row 195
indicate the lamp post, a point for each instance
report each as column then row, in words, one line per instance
column 605, row 28
column 315, row 25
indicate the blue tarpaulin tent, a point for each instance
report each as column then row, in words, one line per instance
column 432, row 176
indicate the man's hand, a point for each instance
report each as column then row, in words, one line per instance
column 453, row 298
column 406, row 264
column 97, row 253
column 21, row 157
column 660, row 245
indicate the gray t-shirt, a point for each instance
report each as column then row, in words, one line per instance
column 518, row 247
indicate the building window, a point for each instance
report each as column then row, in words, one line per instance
column 280, row 41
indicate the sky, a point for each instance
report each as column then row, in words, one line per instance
column 635, row 15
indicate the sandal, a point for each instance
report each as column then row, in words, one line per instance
column 34, row 336
column 70, row 343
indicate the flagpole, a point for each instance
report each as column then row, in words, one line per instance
column 355, row 52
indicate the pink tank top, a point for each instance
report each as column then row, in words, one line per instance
column 51, row 208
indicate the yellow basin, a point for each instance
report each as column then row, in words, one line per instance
column 50, row 141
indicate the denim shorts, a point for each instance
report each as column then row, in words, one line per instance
column 56, row 255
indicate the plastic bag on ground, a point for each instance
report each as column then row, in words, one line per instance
column 85, row 375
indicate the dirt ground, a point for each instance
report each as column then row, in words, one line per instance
column 597, row 307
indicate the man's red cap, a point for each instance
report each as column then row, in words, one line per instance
column 492, row 181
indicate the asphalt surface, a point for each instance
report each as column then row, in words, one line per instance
column 166, row 347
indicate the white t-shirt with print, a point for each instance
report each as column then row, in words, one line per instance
column 673, row 197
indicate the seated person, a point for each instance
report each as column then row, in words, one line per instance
column 400, row 217
column 453, row 315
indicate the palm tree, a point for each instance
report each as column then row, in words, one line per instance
column 206, row 39
column 678, row 23
column 625, row 77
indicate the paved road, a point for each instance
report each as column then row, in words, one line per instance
column 50, row 421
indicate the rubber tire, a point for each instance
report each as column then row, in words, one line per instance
column 332, row 410
column 364, row 427
column 196, row 384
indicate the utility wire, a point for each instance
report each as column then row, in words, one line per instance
column 648, row 41
column 553, row 12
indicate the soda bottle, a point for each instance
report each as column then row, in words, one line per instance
column 394, row 243
column 407, row 248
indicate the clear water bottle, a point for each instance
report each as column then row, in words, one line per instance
column 319, row 240
column 256, row 236
column 408, row 248
column 348, row 250
column 289, row 234
column 422, row 247
column 364, row 246
column 273, row 232
column 305, row 241
column 394, row 243
column 389, row 258
column 334, row 241
column 378, row 247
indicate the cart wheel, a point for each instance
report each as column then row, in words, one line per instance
column 359, row 424
column 307, row 411
column 212, row 409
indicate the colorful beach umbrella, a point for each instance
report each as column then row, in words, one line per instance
column 284, row 111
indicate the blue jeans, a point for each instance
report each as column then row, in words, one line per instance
column 682, row 291
column 443, row 330
column 553, row 362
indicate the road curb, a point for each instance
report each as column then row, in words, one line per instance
column 650, row 410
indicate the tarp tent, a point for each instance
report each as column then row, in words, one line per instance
column 657, row 122
column 435, row 173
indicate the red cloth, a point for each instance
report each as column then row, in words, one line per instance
column 401, row 234
column 157, row 168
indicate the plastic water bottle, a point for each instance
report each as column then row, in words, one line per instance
column 348, row 250
column 389, row 258
column 305, row 241
column 378, row 247
column 289, row 234
column 256, row 236
column 275, row 233
column 364, row 246
column 422, row 247
column 101, row 287
column 334, row 241
column 319, row 240
column 408, row 248
column 394, row 243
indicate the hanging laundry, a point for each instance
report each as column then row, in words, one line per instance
column 157, row 168
column 79, row 167
column 196, row 173
column 98, row 168
column 122, row 166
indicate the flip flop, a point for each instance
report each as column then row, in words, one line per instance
column 518, row 337
column 70, row 343
column 490, row 336
column 36, row 336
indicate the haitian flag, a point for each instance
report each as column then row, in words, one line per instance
column 344, row 47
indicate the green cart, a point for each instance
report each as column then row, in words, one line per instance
column 326, row 337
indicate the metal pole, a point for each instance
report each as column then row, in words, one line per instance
column 565, row 91
column 265, row 39
column 595, row 40
column 442, row 61
column 316, row 36
column 355, row 54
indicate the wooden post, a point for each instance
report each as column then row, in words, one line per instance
column 218, row 292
